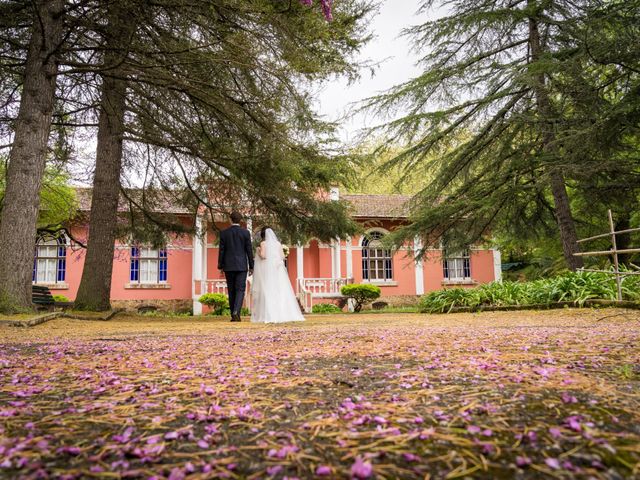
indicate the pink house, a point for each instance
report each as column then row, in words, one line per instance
column 175, row 276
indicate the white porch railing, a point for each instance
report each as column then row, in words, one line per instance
column 220, row 286
column 307, row 289
column 310, row 288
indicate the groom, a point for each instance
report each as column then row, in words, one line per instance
column 235, row 258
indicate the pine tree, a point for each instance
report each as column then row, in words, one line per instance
column 95, row 286
column 492, row 70
column 215, row 88
column 28, row 154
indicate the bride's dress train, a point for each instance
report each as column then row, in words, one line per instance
column 273, row 299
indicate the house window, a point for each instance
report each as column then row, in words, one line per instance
column 148, row 265
column 376, row 260
column 457, row 266
column 50, row 264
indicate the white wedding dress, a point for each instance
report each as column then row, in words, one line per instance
column 273, row 300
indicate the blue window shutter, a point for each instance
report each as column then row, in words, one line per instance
column 62, row 260
column 134, row 275
column 365, row 261
column 467, row 267
column 162, row 270
column 62, row 269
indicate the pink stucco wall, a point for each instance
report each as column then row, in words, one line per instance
column 317, row 259
column 178, row 286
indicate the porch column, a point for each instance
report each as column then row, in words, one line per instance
column 419, row 266
column 205, row 252
column 349, row 258
column 337, row 267
column 299, row 265
column 497, row 265
column 197, row 263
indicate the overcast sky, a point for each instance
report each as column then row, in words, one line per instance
column 397, row 65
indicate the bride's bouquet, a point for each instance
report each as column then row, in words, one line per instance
column 285, row 251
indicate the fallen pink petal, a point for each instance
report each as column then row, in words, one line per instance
column 203, row 408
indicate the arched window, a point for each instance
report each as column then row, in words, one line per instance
column 50, row 264
column 457, row 266
column 376, row 260
column 148, row 265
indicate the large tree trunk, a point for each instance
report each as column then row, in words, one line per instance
column 568, row 234
column 95, row 285
column 564, row 218
column 28, row 156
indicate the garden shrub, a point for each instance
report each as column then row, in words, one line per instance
column 576, row 287
column 60, row 298
column 326, row 308
column 216, row 301
column 244, row 312
column 361, row 294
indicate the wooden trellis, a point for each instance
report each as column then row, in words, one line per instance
column 614, row 252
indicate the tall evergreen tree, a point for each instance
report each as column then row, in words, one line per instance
column 95, row 286
column 493, row 71
column 28, row 154
column 218, row 87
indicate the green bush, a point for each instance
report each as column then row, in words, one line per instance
column 576, row 287
column 326, row 308
column 244, row 311
column 60, row 298
column 218, row 302
column 361, row 294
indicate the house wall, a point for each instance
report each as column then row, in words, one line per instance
column 317, row 260
column 179, row 279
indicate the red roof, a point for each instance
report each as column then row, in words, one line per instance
column 365, row 205
column 361, row 205
column 159, row 202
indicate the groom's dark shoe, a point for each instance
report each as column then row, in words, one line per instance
column 235, row 317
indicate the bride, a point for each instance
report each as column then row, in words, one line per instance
column 271, row 291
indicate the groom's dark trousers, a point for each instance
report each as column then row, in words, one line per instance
column 236, row 286
column 235, row 258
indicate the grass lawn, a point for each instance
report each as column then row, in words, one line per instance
column 490, row 395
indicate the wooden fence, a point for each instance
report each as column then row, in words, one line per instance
column 614, row 252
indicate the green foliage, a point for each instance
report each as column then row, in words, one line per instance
column 58, row 202
column 218, row 302
column 249, row 129
column 493, row 122
column 361, row 294
column 627, row 371
column 576, row 287
column 375, row 174
column 60, row 298
column 225, row 311
column 326, row 308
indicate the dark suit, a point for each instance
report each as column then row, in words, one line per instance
column 235, row 258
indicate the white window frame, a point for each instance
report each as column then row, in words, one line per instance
column 383, row 261
column 51, row 262
column 148, row 256
column 456, row 266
